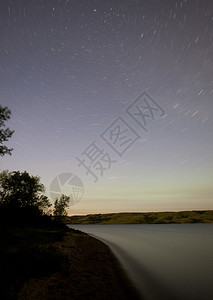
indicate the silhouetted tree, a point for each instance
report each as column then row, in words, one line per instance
column 5, row 133
column 60, row 206
column 20, row 190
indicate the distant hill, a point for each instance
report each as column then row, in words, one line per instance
column 205, row 216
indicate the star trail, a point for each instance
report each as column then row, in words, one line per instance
column 69, row 69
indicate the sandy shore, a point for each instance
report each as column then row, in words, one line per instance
column 93, row 273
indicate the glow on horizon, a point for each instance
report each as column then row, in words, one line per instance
column 65, row 82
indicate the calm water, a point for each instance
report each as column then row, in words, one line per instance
column 164, row 261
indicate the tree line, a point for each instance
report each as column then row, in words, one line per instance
column 22, row 196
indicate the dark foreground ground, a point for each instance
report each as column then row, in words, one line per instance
column 44, row 263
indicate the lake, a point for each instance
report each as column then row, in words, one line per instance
column 164, row 261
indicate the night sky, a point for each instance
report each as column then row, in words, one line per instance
column 70, row 70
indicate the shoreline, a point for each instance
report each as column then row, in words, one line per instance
column 94, row 273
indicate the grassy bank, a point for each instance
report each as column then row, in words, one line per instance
column 144, row 218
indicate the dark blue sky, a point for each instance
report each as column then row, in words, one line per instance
column 68, row 69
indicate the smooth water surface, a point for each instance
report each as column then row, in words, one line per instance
column 165, row 261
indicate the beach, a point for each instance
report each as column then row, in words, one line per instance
column 93, row 273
